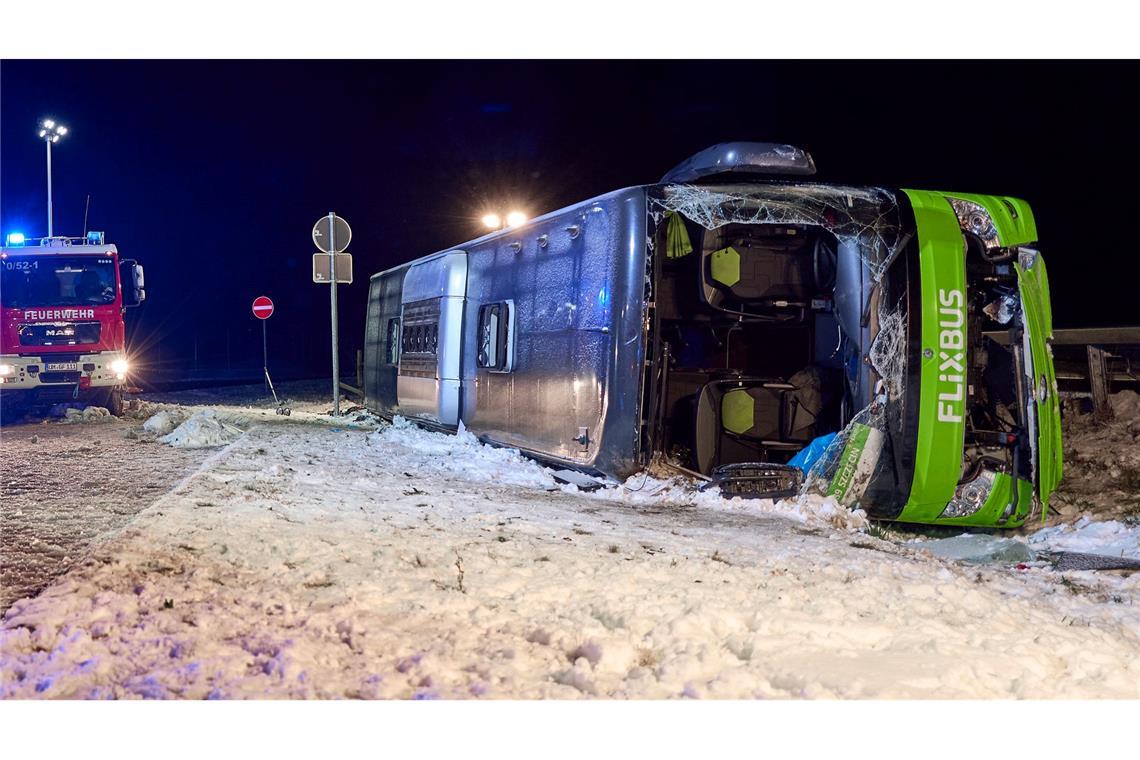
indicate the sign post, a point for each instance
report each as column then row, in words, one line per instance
column 263, row 310
column 332, row 234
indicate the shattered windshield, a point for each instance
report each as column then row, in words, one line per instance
column 57, row 280
column 865, row 216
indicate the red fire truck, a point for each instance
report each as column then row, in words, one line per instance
column 62, row 335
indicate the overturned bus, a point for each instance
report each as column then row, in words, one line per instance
column 751, row 328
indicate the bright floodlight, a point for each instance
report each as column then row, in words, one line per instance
column 51, row 131
column 492, row 221
column 516, row 218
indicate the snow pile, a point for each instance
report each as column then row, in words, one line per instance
column 140, row 409
column 461, row 455
column 165, row 421
column 647, row 491
column 1111, row 538
column 71, row 415
column 203, row 429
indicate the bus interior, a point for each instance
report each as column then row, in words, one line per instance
column 748, row 356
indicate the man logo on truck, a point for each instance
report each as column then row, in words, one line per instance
column 952, row 346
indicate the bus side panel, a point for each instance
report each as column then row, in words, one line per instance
column 621, row 454
column 561, row 286
column 428, row 385
column 380, row 330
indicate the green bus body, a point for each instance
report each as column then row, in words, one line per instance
column 939, row 448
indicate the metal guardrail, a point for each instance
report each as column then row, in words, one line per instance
column 1084, row 336
column 1120, row 345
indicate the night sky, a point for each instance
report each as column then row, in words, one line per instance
column 213, row 173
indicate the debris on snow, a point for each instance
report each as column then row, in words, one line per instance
column 978, row 549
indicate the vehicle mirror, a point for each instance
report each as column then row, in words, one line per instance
column 139, row 282
column 133, row 282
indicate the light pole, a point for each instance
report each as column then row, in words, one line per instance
column 496, row 222
column 50, row 133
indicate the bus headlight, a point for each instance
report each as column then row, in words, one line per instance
column 970, row 496
column 973, row 217
column 120, row 367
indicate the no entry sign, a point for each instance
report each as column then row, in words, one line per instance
column 262, row 307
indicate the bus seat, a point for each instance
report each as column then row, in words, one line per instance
column 748, row 410
column 767, row 415
column 758, row 271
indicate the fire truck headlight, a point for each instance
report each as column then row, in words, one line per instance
column 7, row 369
column 120, row 367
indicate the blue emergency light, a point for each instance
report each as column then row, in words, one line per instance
column 94, row 238
column 15, row 238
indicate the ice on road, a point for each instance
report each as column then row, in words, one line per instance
column 305, row 561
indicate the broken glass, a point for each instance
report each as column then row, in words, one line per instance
column 867, row 217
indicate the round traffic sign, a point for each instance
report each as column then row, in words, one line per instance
column 323, row 234
column 262, row 307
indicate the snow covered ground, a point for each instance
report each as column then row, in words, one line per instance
column 65, row 485
column 1108, row 537
column 310, row 560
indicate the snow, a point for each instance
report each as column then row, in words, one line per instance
column 464, row 456
column 307, row 560
column 1112, row 538
column 100, row 477
column 201, row 430
column 72, row 415
column 164, row 422
column 646, row 490
column 431, row 454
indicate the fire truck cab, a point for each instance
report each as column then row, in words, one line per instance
column 62, row 332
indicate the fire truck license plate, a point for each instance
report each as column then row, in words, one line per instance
column 62, row 366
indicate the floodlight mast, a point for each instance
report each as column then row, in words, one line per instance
column 50, row 133
column 333, row 309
